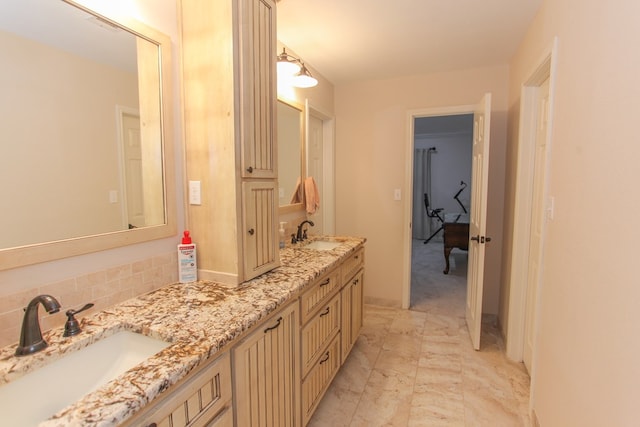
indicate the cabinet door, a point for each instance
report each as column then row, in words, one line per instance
column 260, row 240
column 352, row 308
column 258, row 76
column 266, row 373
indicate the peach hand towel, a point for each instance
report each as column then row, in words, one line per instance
column 297, row 196
column 312, row 196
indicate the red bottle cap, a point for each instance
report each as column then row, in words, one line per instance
column 186, row 239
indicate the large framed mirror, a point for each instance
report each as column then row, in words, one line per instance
column 291, row 152
column 86, row 157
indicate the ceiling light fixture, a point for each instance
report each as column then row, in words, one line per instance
column 304, row 79
column 293, row 68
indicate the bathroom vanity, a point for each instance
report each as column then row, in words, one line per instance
column 265, row 350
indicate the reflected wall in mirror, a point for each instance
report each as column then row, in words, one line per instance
column 86, row 159
column 290, row 154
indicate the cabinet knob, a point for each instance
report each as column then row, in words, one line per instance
column 251, row 231
column 324, row 313
column 326, row 282
column 250, row 169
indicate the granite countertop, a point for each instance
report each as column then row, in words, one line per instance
column 198, row 319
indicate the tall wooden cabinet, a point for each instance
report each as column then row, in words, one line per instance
column 229, row 99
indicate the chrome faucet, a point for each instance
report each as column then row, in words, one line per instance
column 300, row 236
column 31, row 340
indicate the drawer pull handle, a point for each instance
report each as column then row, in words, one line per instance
column 251, row 231
column 355, row 282
column 324, row 313
column 274, row 326
column 250, row 169
column 326, row 282
column 325, row 358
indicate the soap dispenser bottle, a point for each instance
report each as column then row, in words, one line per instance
column 187, row 268
column 282, row 235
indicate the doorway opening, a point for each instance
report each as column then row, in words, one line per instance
column 412, row 205
column 442, row 146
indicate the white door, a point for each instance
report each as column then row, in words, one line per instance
column 478, row 218
column 316, row 166
column 134, row 185
column 537, row 221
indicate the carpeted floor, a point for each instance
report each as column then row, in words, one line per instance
column 431, row 290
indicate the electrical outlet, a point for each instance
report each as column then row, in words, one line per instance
column 397, row 194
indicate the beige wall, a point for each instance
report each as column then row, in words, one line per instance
column 586, row 366
column 371, row 146
column 104, row 276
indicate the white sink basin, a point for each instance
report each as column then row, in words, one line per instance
column 38, row 395
column 322, row 245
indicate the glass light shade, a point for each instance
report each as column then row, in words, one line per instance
column 287, row 68
column 304, row 79
column 287, row 65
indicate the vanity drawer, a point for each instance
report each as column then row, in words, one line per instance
column 319, row 293
column 352, row 264
column 318, row 332
column 319, row 378
column 202, row 399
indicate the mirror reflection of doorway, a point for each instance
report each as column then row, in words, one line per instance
column 133, row 188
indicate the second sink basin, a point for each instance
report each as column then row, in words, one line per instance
column 38, row 395
column 322, row 245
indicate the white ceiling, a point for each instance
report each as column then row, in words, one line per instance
column 350, row 40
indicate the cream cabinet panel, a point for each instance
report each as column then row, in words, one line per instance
column 317, row 381
column 352, row 310
column 351, row 265
column 319, row 293
column 320, row 330
column 266, row 373
column 203, row 398
column 261, row 252
column 257, row 67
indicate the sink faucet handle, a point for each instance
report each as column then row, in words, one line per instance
column 72, row 326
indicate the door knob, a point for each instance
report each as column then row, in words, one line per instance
column 481, row 239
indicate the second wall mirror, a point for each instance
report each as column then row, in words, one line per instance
column 291, row 152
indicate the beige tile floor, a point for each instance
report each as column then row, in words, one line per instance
column 417, row 367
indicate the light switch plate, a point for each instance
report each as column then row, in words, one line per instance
column 195, row 197
column 397, row 194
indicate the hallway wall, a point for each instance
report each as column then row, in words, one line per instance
column 586, row 370
column 371, row 146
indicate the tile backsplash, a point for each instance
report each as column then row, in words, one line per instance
column 103, row 288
